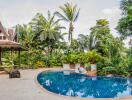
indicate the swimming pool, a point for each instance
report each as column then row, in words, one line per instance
column 69, row 83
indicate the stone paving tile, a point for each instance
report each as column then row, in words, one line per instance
column 25, row 88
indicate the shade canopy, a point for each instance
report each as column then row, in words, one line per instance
column 9, row 44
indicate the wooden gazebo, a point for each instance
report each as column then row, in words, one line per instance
column 7, row 45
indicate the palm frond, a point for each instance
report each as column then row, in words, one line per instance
column 56, row 22
column 51, row 20
column 76, row 17
column 49, row 15
column 61, row 16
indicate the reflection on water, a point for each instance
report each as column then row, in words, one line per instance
column 73, row 84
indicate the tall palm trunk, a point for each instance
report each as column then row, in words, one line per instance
column 69, row 36
column 71, row 28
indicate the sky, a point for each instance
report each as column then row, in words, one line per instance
column 14, row 12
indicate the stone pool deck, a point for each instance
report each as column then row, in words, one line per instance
column 26, row 88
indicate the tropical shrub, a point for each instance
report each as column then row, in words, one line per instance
column 55, row 59
column 75, row 58
column 65, row 59
column 93, row 57
column 109, row 70
column 39, row 64
column 105, row 62
column 82, row 58
column 130, row 63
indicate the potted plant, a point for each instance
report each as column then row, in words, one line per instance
column 65, row 61
column 80, row 59
column 72, row 59
column 77, row 61
column 76, row 58
column 93, row 58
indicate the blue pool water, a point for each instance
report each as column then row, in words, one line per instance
column 69, row 83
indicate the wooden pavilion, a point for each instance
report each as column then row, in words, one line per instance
column 8, row 42
column 10, row 46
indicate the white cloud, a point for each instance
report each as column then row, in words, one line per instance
column 23, row 11
column 112, row 15
column 111, row 11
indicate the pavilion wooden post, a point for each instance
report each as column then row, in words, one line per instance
column 19, row 57
column 0, row 56
column 11, row 56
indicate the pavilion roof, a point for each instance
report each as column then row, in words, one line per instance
column 9, row 44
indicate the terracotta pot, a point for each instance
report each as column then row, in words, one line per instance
column 72, row 66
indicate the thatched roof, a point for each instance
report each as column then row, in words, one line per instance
column 3, row 31
column 9, row 44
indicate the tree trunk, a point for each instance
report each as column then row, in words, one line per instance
column 71, row 28
column 11, row 55
column 19, row 57
column 48, row 49
column 69, row 36
column 0, row 56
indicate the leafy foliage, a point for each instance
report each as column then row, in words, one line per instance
column 124, row 26
column 126, row 6
column 93, row 57
column 46, row 46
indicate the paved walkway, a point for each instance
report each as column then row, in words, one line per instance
column 25, row 88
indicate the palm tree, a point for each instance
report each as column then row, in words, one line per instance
column 69, row 14
column 83, row 41
column 48, row 30
column 87, row 42
column 25, row 35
